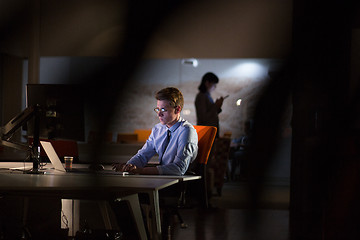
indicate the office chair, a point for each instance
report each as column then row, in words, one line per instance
column 142, row 134
column 206, row 138
column 127, row 138
column 193, row 190
column 217, row 164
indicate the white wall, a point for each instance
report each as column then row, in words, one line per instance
column 239, row 78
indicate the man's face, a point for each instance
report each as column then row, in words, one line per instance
column 167, row 114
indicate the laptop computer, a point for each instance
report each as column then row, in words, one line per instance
column 58, row 165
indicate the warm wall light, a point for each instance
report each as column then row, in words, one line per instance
column 186, row 112
column 238, row 102
column 191, row 61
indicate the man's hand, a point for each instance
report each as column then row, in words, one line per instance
column 129, row 168
column 118, row 166
column 123, row 167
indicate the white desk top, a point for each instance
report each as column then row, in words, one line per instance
column 70, row 181
column 76, row 185
column 16, row 181
column 48, row 169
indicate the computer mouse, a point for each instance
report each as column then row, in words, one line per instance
column 96, row 167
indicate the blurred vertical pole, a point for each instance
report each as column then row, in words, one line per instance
column 34, row 48
column 321, row 48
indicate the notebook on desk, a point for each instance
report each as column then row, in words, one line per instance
column 58, row 166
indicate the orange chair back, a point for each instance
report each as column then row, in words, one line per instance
column 142, row 134
column 126, row 138
column 206, row 137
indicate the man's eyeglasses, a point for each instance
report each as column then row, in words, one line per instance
column 162, row 110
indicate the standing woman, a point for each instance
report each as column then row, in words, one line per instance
column 206, row 109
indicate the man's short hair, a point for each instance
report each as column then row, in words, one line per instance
column 173, row 95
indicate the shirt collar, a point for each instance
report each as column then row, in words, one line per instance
column 175, row 126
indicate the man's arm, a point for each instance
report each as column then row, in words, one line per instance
column 141, row 157
column 147, row 171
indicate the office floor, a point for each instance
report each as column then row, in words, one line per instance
column 230, row 217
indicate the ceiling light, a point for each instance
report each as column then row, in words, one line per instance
column 238, row 102
column 191, row 62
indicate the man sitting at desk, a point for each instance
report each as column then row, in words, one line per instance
column 173, row 139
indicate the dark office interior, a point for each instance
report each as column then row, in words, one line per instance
column 121, row 52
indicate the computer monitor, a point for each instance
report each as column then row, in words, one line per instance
column 61, row 111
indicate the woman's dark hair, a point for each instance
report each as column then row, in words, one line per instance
column 208, row 77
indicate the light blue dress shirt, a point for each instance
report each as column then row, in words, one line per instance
column 180, row 152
